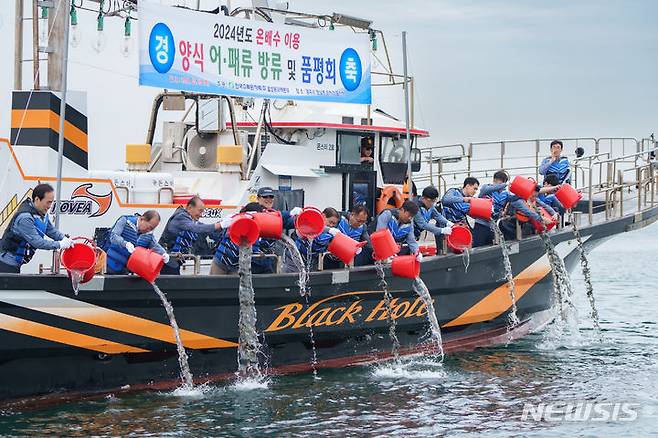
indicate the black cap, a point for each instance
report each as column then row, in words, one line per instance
column 265, row 191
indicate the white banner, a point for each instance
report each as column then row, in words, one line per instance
column 195, row 51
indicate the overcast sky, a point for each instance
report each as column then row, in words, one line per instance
column 485, row 70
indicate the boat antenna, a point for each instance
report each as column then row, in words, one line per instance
column 62, row 111
column 406, row 109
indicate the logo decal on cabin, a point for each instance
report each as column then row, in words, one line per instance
column 83, row 202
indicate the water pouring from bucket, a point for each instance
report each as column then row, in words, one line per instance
column 345, row 248
column 409, row 267
column 513, row 319
column 244, row 230
column 80, row 261
column 147, row 264
column 460, row 239
column 248, row 343
column 309, row 223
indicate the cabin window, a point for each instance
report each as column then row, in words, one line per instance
column 349, row 148
column 393, row 157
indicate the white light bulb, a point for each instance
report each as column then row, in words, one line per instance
column 75, row 36
column 98, row 44
column 126, row 46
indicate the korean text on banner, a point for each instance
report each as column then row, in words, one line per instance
column 187, row 50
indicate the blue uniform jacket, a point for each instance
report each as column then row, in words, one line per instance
column 402, row 233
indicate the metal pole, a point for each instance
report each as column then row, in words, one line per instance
column 18, row 47
column 406, row 109
column 62, row 111
column 35, row 45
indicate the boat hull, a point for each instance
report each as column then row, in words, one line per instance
column 115, row 332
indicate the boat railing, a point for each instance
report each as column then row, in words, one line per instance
column 619, row 183
column 613, row 169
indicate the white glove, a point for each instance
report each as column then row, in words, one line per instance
column 419, row 257
column 226, row 223
column 450, row 224
column 334, row 231
column 65, row 243
column 130, row 247
column 165, row 257
column 358, row 250
column 295, row 211
column 447, row 231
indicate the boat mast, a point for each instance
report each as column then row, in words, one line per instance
column 406, row 110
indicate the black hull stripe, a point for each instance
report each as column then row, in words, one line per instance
column 49, row 101
column 49, row 138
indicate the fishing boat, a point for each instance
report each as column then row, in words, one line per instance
column 113, row 333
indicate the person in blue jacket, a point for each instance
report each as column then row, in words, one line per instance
column 556, row 164
column 518, row 207
column 400, row 223
column 456, row 201
column 353, row 225
column 428, row 212
column 27, row 229
column 129, row 232
column 317, row 245
column 183, row 229
column 497, row 192
column 547, row 193
column 227, row 253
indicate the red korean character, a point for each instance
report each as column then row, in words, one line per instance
column 260, row 35
column 276, row 39
column 295, row 41
column 268, row 38
column 184, row 47
column 198, row 55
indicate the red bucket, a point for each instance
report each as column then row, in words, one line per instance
column 269, row 223
column 406, row 266
column 480, row 208
column 427, row 250
column 145, row 263
column 460, row 238
column 309, row 223
column 80, row 257
column 539, row 227
column 568, row 196
column 383, row 244
column 523, row 187
column 244, row 230
column 344, row 247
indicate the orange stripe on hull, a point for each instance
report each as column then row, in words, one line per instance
column 42, row 331
column 81, row 311
column 499, row 300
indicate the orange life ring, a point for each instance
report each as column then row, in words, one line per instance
column 389, row 193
